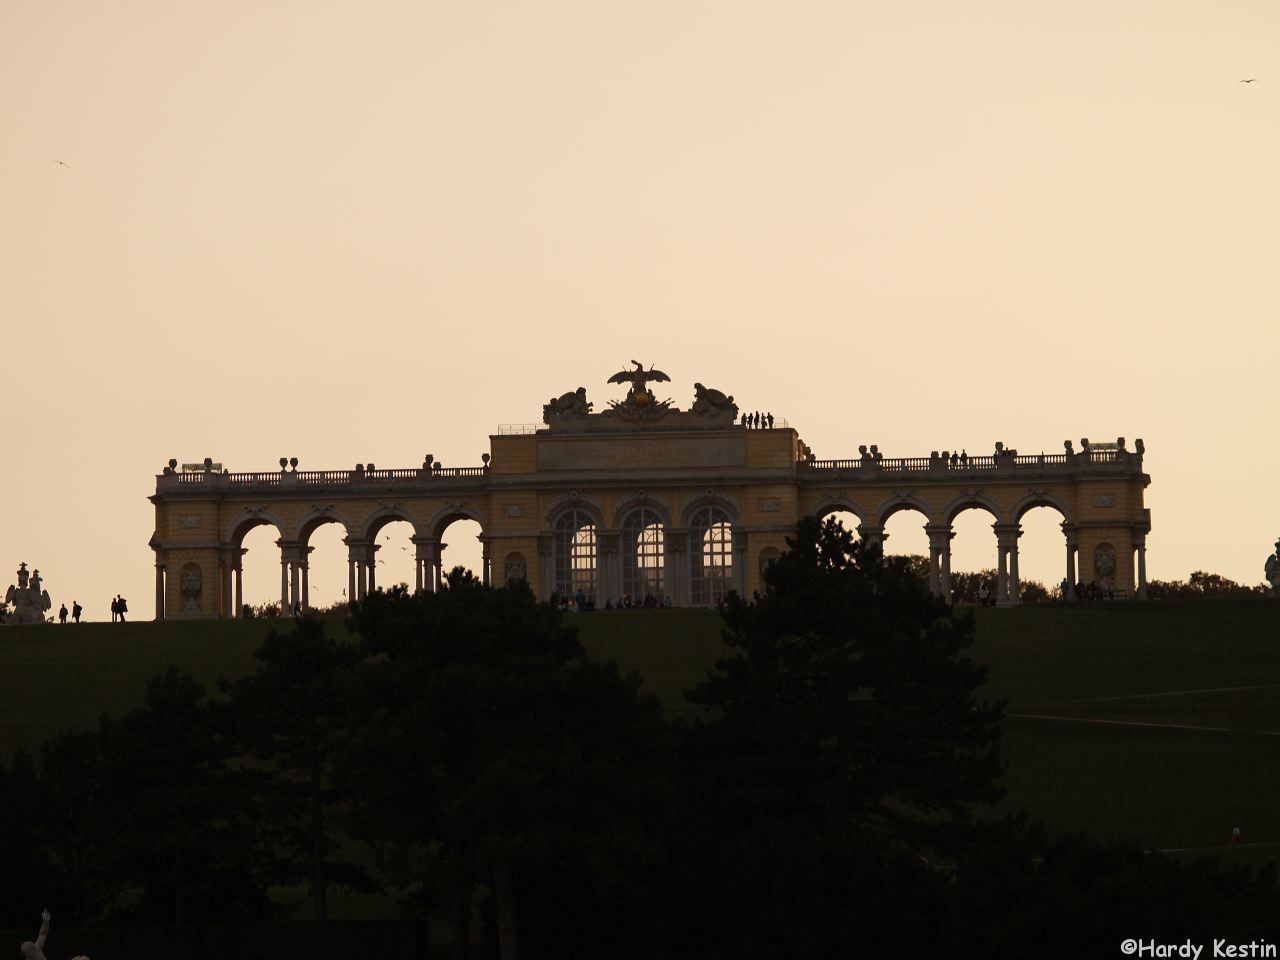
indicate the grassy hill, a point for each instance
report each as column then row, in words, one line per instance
column 1158, row 721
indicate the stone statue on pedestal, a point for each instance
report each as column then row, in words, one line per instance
column 29, row 601
column 1273, row 571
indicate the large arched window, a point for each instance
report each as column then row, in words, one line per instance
column 574, row 554
column 643, row 557
column 711, row 554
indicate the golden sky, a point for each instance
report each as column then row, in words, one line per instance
column 368, row 231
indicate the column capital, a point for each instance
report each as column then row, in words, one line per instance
column 871, row 533
column 1007, row 534
column 939, row 533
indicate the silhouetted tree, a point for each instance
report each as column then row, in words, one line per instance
column 289, row 720
column 182, row 837
column 844, row 737
column 76, row 836
column 495, row 754
column 24, row 861
column 849, row 700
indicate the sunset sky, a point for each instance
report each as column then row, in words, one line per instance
column 354, row 232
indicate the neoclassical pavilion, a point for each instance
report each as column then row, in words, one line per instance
column 641, row 498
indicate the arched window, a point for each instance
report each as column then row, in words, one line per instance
column 643, row 557
column 574, row 554
column 711, row 554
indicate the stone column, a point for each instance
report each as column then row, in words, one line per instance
column 358, row 576
column 239, row 574
column 608, row 566
column 1073, row 550
column 939, row 558
column 946, row 564
column 425, row 552
column 306, row 578
column 680, row 567
column 371, row 565
column 159, row 590
column 1015, row 581
column 224, row 588
column 290, row 576
column 1141, row 546
column 485, row 562
column 871, row 534
column 284, row 584
column 546, row 568
column 739, row 562
column 1007, row 540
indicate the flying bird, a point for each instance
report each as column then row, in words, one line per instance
column 60, row 162
column 1250, row 80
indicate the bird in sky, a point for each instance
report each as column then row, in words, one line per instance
column 1250, row 80
column 63, row 163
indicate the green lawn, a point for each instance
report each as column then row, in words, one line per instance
column 1153, row 671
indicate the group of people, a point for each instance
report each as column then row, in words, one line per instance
column 649, row 602
column 757, row 420
column 119, row 607
column 584, row 604
column 1091, row 590
column 76, row 610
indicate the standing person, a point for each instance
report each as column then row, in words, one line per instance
column 124, row 606
column 35, row 951
column 115, row 609
column 769, row 418
column 76, row 610
column 62, row 615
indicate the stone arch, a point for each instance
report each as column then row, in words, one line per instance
column 451, row 513
column 841, row 504
column 642, row 501
column 316, row 517
column 574, row 501
column 247, row 519
column 643, row 530
column 706, row 499
column 575, row 550
column 972, row 501
column 375, row 521
column 1040, row 498
column 898, row 503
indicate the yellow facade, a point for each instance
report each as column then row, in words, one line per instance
column 669, row 503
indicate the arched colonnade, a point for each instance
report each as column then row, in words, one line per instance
column 360, row 539
column 939, row 527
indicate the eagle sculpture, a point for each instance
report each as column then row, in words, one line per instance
column 638, row 377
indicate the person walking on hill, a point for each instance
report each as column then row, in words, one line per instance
column 62, row 615
column 123, row 605
column 76, row 610
column 115, row 609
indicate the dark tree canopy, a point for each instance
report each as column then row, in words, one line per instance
column 493, row 752
column 848, row 702
column 290, row 720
